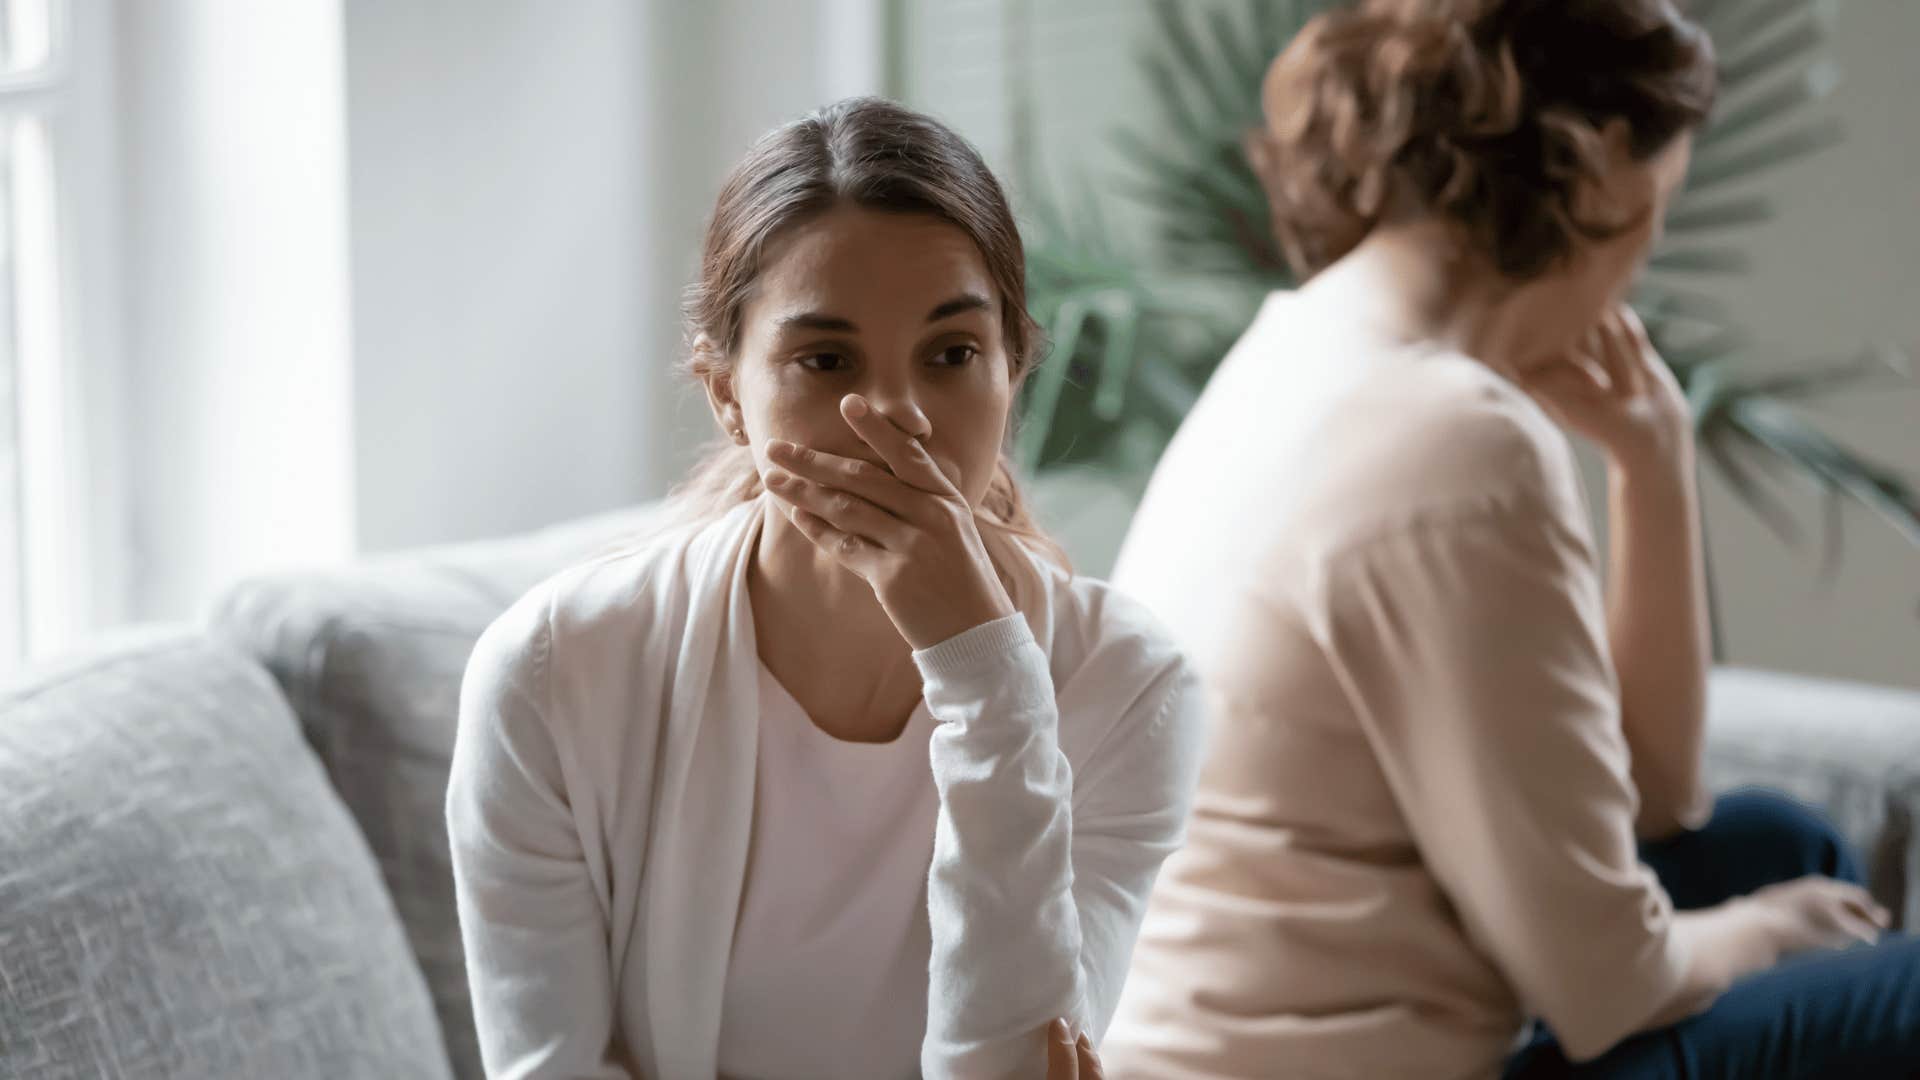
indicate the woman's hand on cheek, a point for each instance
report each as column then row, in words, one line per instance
column 904, row 528
column 1616, row 391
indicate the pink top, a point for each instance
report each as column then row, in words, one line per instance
column 1414, row 827
column 828, row 976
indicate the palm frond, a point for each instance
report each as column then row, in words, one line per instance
column 1701, row 260
column 1727, row 214
column 1768, row 108
column 1137, row 333
column 1797, row 42
column 1828, row 463
column 1747, row 165
column 1733, row 24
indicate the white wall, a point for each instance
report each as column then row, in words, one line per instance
column 496, row 179
column 1839, row 268
column 234, row 293
column 529, row 184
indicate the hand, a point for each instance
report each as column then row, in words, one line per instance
column 1615, row 390
column 1816, row 912
column 904, row 528
column 1068, row 1059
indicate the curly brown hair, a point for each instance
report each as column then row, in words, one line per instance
column 1485, row 112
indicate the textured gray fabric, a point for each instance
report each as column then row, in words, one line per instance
column 1850, row 749
column 371, row 657
column 181, row 893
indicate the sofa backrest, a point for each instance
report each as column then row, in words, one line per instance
column 371, row 656
column 181, row 892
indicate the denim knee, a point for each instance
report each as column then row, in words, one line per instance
column 1776, row 822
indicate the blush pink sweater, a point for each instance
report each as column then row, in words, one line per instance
column 1414, row 827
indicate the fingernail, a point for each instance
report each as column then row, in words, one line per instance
column 856, row 405
column 780, row 447
column 776, row 478
column 1060, row 1031
column 1085, row 1043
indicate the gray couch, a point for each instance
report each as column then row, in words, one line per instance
column 222, row 851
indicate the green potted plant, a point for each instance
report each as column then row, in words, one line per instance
column 1136, row 333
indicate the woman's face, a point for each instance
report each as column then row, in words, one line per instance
column 1605, row 270
column 898, row 308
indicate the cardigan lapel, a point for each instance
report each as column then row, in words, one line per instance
column 703, row 816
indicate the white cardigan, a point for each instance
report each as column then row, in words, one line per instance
column 602, row 798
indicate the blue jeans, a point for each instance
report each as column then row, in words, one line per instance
column 1852, row 1014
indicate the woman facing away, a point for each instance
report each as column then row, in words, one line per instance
column 1452, row 788
column 843, row 777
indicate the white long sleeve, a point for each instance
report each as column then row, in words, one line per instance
column 1039, row 881
column 601, row 814
column 533, row 926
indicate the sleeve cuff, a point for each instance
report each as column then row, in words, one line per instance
column 967, row 652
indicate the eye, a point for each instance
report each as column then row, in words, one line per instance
column 955, row 356
column 824, row 361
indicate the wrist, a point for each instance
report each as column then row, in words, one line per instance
column 973, row 650
column 956, row 619
column 1660, row 468
column 1766, row 931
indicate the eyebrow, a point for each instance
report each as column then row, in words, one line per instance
column 814, row 320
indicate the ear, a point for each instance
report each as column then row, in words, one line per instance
column 1617, row 134
column 1624, row 172
column 1625, row 192
column 721, row 398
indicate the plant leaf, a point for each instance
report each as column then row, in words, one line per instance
column 1801, row 39
column 1049, row 380
column 1775, row 152
column 1729, row 213
column 1774, row 106
column 1701, row 260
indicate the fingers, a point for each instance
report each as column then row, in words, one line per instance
column 1063, row 1056
column 1088, row 1060
column 1860, row 911
column 1571, row 399
column 1859, row 930
column 1834, row 913
column 1636, row 330
column 1581, row 370
column 1849, row 926
column 902, row 452
column 1625, row 353
column 861, row 478
column 843, row 511
column 849, row 550
column 1575, row 382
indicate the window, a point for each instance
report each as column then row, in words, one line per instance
column 33, row 357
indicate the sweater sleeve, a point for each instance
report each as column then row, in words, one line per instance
column 1473, row 649
column 1039, row 881
column 531, row 919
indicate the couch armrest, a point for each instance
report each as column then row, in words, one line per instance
column 371, row 655
column 1850, row 749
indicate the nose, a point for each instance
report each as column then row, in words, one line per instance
column 894, row 399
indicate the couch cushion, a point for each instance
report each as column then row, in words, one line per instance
column 371, row 656
column 181, row 893
column 1850, row 749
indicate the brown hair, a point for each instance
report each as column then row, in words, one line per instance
column 880, row 156
column 1486, row 112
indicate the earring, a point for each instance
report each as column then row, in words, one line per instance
column 739, row 435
